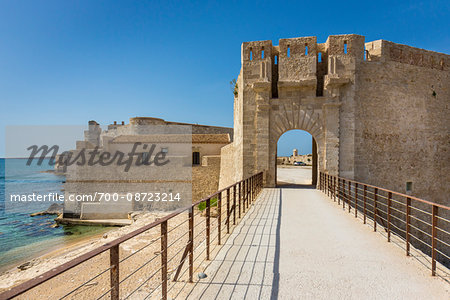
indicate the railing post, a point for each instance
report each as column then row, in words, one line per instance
column 364, row 199
column 433, row 239
column 208, row 211
column 239, row 199
column 375, row 195
column 246, row 193
column 219, row 215
column 114, row 271
column 356, row 199
column 320, row 181
column 191, row 244
column 349, row 196
column 389, row 216
column 228, row 212
column 330, row 186
column 339, row 191
column 243, row 197
column 344, row 196
column 408, row 223
column 234, row 206
column 164, row 260
column 334, row 188
column 251, row 190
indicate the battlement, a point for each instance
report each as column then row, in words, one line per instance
column 382, row 50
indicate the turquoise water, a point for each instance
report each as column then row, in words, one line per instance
column 21, row 236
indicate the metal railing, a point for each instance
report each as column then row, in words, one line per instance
column 416, row 224
column 177, row 245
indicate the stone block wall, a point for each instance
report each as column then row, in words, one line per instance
column 205, row 177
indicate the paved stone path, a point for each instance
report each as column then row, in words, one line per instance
column 298, row 244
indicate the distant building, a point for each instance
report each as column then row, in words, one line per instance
column 295, row 157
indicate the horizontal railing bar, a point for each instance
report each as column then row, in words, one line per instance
column 400, row 220
column 440, row 218
column 157, row 287
column 86, row 282
column 137, row 251
column 177, row 239
column 420, row 220
column 399, row 211
column 421, row 210
column 412, row 226
column 140, row 267
column 442, row 242
column 395, row 193
column 182, row 223
column 442, row 254
column 417, row 239
column 442, row 230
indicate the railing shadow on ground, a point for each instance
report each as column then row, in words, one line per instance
column 288, row 185
column 253, row 246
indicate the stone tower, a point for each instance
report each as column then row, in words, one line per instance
column 372, row 109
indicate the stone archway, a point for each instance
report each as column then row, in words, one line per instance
column 291, row 117
column 281, row 88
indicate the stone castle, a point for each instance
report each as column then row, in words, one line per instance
column 378, row 111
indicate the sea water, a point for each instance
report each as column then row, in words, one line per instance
column 23, row 237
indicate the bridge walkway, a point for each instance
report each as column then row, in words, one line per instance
column 296, row 243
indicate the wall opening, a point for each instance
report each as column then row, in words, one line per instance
column 275, row 76
column 288, row 51
column 262, row 52
column 195, row 158
column 295, row 159
column 409, row 187
column 251, row 54
column 321, row 71
column 345, row 47
column 306, row 49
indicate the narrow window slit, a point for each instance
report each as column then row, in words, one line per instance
column 345, row 47
column 288, row 51
column 306, row 49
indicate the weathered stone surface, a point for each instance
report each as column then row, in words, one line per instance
column 378, row 111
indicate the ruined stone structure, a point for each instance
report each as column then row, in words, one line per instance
column 378, row 111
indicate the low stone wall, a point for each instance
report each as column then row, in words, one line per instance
column 227, row 166
column 205, row 178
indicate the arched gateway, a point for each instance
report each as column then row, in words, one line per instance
column 289, row 87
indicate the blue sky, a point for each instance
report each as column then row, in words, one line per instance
column 67, row 62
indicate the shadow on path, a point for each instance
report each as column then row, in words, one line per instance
column 247, row 267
